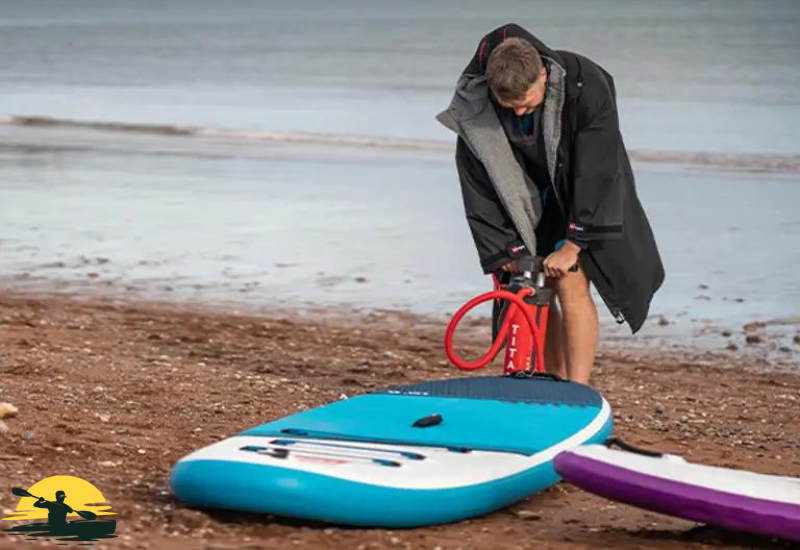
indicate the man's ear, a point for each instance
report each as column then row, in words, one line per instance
column 543, row 75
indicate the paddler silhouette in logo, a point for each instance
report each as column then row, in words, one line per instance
column 60, row 527
column 57, row 511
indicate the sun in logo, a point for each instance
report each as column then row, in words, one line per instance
column 80, row 495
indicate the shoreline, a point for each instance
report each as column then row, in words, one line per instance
column 101, row 386
column 761, row 344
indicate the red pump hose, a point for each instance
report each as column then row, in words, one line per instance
column 516, row 301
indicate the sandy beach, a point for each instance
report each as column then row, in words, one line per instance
column 115, row 393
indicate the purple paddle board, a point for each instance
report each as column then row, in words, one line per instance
column 732, row 499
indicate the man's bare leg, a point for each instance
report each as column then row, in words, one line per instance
column 554, row 359
column 579, row 323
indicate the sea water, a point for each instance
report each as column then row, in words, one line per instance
column 289, row 155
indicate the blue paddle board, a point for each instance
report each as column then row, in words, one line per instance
column 422, row 454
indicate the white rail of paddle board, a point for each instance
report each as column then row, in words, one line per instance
column 441, row 468
column 674, row 468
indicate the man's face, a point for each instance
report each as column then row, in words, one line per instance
column 532, row 99
column 61, row 497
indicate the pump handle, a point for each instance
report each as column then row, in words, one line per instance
column 535, row 264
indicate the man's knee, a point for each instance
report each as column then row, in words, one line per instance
column 574, row 286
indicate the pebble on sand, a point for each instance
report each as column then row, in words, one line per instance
column 754, row 326
column 7, row 410
column 528, row 515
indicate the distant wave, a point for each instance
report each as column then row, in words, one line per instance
column 162, row 129
column 735, row 161
column 272, row 137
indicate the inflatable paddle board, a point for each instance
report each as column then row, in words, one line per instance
column 722, row 497
column 415, row 455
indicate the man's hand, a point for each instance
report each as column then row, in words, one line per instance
column 559, row 263
column 510, row 266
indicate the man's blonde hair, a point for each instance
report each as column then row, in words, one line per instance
column 512, row 69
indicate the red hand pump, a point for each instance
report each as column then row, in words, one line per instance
column 524, row 325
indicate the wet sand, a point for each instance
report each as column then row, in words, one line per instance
column 221, row 220
column 116, row 392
